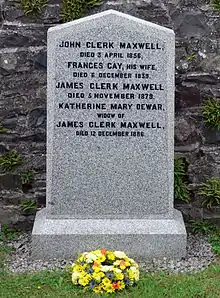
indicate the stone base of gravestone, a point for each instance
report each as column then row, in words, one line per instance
column 110, row 180
column 154, row 237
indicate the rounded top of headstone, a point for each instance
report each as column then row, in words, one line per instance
column 113, row 14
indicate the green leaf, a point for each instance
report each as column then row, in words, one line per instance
column 210, row 192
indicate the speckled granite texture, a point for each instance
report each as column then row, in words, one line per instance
column 110, row 176
column 102, row 189
column 23, row 53
column 146, row 238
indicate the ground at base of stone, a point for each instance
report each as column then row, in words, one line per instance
column 198, row 257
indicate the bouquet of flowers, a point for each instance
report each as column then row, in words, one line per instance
column 104, row 271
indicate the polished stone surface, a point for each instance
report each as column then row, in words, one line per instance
column 145, row 238
column 110, row 140
column 110, row 176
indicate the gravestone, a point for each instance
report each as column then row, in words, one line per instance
column 110, row 140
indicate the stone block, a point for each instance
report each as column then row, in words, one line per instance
column 110, row 140
column 150, row 238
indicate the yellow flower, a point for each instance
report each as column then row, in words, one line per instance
column 39, row 287
column 98, row 289
column 108, row 288
column 127, row 263
column 106, row 281
column 101, row 258
column 79, row 268
column 98, row 276
column 110, row 256
column 136, row 272
column 117, row 270
column 97, row 252
column 104, row 278
column 82, row 274
column 121, row 285
column 120, row 254
column 85, row 280
column 119, row 276
column 130, row 274
column 96, row 267
column 81, row 258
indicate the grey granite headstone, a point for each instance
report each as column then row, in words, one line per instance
column 110, row 140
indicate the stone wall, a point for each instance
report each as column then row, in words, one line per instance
column 23, row 93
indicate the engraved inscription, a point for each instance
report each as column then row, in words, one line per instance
column 111, row 82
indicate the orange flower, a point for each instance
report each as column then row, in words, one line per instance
column 122, row 265
column 96, row 264
column 103, row 251
column 115, row 286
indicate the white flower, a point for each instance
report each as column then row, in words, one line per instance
column 120, row 254
column 90, row 258
column 131, row 261
column 136, row 275
column 135, row 271
column 106, row 268
column 75, row 277
column 116, row 263
column 117, row 270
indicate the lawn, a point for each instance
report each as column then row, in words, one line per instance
column 55, row 284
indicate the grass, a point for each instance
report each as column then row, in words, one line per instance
column 58, row 284
column 214, row 240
